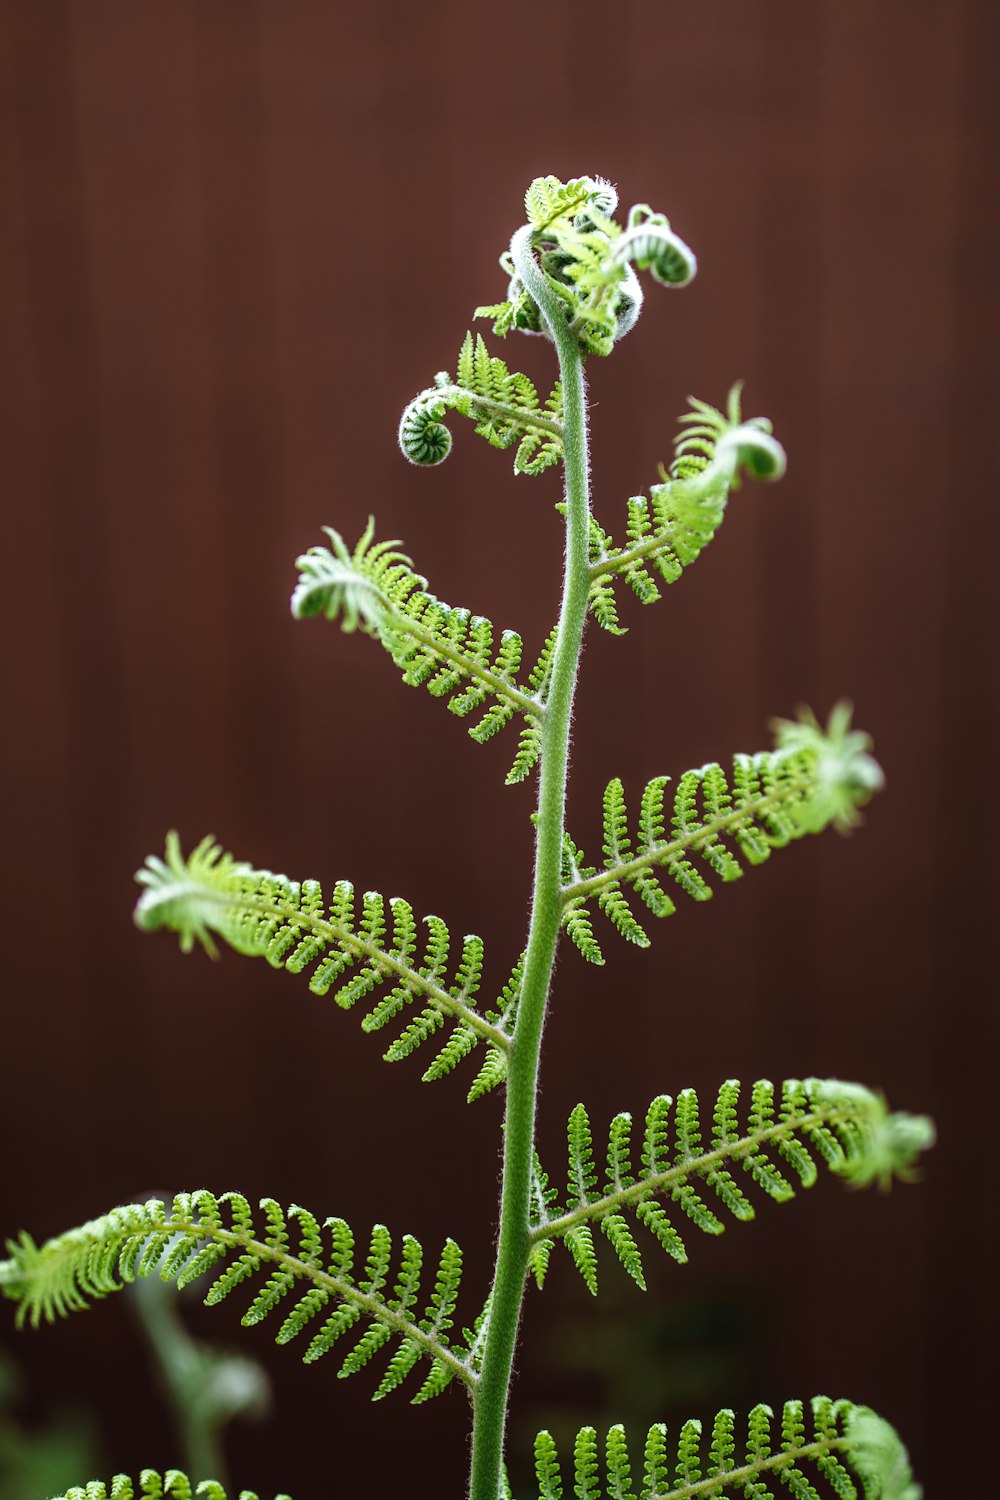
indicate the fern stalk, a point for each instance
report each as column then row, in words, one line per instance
column 546, row 906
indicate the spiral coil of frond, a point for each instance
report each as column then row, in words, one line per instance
column 503, row 405
column 813, row 779
column 849, row 1447
column 589, row 262
column 352, row 956
column 172, row 1484
column 845, row 1126
column 669, row 529
column 445, row 649
column 201, row 1233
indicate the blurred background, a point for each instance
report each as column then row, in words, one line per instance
column 236, row 239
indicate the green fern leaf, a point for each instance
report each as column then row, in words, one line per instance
column 311, row 1279
column 373, row 958
column 447, row 650
column 503, row 406
column 846, row 1125
column 669, row 530
column 849, row 1446
column 811, row 780
column 493, row 1070
column 172, row 1484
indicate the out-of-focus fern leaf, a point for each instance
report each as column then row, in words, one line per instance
column 370, row 957
column 854, row 1450
column 813, row 779
column 503, row 404
column 446, row 649
column 172, row 1484
column 291, row 1255
column 668, row 531
column 844, row 1125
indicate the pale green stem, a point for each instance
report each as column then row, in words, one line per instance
column 490, row 1403
column 181, row 1364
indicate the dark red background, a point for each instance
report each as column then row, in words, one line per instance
column 237, row 237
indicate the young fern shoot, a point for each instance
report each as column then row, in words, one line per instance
column 573, row 278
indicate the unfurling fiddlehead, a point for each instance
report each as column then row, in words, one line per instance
column 812, row 779
column 669, row 530
column 504, row 407
column 851, row 1448
column 172, row 1484
column 200, row 1233
column 848, row 1127
column 587, row 260
column 447, row 650
column 293, row 926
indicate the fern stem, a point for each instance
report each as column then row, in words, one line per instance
column 495, row 408
column 490, row 1405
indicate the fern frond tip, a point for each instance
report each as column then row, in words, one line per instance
column 847, row 774
column 179, row 893
column 877, row 1452
column 888, row 1144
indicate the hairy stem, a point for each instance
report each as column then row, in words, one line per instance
column 490, row 1406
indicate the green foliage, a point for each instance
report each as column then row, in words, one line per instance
column 669, row 530
column 291, row 1255
column 504, row 407
column 587, row 261
column 172, row 1484
column 811, row 780
column 854, row 1451
column 370, row 958
column 573, row 277
column 445, row 649
column 845, row 1126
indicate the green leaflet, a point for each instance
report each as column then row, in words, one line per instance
column 448, row 650
column 813, row 779
column 369, row 956
column 843, row 1125
column 289, row 1256
column 503, row 405
column 669, row 530
column 856, row 1452
column 172, row 1484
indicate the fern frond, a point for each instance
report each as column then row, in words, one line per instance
column 813, row 779
column 370, row 957
column 849, row 1447
column 172, row 1484
column 547, row 200
column 651, row 245
column 504, row 407
column 589, row 262
column 844, row 1125
column 448, row 650
column 669, row 530
column 291, row 1254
